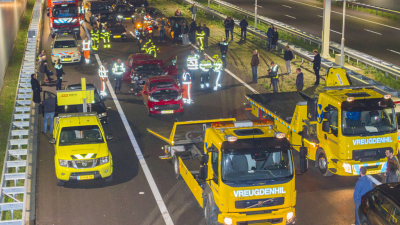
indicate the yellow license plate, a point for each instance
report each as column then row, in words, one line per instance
column 167, row 111
column 117, row 36
column 88, row 177
column 67, row 59
column 65, row 33
column 128, row 18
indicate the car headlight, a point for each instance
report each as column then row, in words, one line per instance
column 63, row 163
column 55, row 29
column 152, row 99
column 228, row 221
column 119, row 16
column 289, row 218
column 102, row 115
column 75, row 55
column 102, row 160
column 179, row 97
column 133, row 16
column 346, row 167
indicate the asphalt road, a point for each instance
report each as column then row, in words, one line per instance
column 128, row 199
column 367, row 33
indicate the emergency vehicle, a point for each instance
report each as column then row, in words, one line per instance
column 240, row 172
column 344, row 128
column 66, row 48
column 64, row 17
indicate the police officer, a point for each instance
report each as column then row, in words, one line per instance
column 94, row 36
column 200, row 39
column 205, row 66
column 59, row 74
column 192, row 63
column 105, row 35
column 186, row 85
column 274, row 74
column 86, row 49
column 223, row 47
column 118, row 69
column 103, row 73
column 217, row 67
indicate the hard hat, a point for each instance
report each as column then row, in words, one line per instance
column 215, row 56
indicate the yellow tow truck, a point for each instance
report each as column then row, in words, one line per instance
column 343, row 129
column 240, row 172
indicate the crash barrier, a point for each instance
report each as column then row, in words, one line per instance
column 376, row 8
column 304, row 54
column 368, row 60
column 14, row 182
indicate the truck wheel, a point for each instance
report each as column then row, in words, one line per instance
column 177, row 170
column 323, row 164
column 60, row 182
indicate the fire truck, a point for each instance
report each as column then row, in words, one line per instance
column 64, row 17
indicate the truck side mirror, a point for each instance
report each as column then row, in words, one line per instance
column 327, row 115
column 109, row 137
column 326, row 126
column 204, row 159
column 303, row 160
column 203, row 172
column 52, row 141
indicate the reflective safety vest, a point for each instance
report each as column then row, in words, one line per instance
column 105, row 33
column 118, row 69
column 186, row 79
column 205, row 65
column 86, row 45
column 223, row 47
column 103, row 72
column 217, row 65
column 193, row 62
column 58, row 66
column 274, row 72
column 94, row 35
column 200, row 35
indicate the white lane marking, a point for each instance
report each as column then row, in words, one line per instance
column 290, row 16
column 258, row 5
column 132, row 34
column 369, row 21
column 335, row 31
column 287, row 6
column 374, row 180
column 233, row 75
column 372, row 31
column 394, row 51
column 160, row 202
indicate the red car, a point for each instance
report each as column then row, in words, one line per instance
column 139, row 59
column 161, row 95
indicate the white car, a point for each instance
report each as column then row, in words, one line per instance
column 66, row 48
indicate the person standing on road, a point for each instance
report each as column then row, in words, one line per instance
column 223, row 47
column 232, row 26
column 59, row 74
column 205, row 66
column 192, row 63
column 363, row 185
column 275, row 39
column 185, row 32
column 200, row 39
column 118, row 69
column 105, row 35
column 274, row 74
column 227, row 28
column 394, row 159
column 177, row 32
column 35, row 89
column 95, row 37
column 192, row 32
column 161, row 26
column 299, row 80
column 316, row 66
column 186, row 84
column 207, row 34
column 41, row 54
column 43, row 69
column 255, row 61
column 103, row 74
column 217, row 67
column 243, row 26
column 392, row 171
column 49, row 110
column 141, row 46
column 270, row 35
column 288, row 59
column 193, row 9
column 86, row 50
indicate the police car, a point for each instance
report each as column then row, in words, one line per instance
column 66, row 48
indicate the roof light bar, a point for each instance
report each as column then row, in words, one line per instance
column 350, row 99
column 387, row 96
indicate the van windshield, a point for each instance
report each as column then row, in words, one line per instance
column 80, row 135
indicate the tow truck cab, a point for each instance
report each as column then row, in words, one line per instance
column 240, row 172
column 64, row 17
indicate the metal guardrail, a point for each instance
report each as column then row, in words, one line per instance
column 384, row 66
column 377, row 8
column 13, row 188
column 304, row 54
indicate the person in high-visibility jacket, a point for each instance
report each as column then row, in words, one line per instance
column 192, row 63
column 105, row 35
column 200, row 39
column 151, row 48
column 103, row 74
column 95, row 36
column 186, row 85
column 118, row 69
column 217, row 67
column 86, row 50
column 205, row 66
column 274, row 74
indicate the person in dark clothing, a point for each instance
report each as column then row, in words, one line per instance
column 193, row 9
column 288, row 59
column 227, row 28
column 316, row 66
column 255, row 60
column 388, row 173
column 223, row 47
column 192, row 31
column 43, row 69
column 146, row 3
column 35, row 89
column 178, row 12
column 275, row 39
column 49, row 110
column 243, row 26
column 270, row 35
column 232, row 26
column 177, row 32
column 59, row 74
column 299, row 80
column 363, row 185
column 393, row 171
column 185, row 32
column 207, row 34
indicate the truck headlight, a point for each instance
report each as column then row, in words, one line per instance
column 102, row 160
column 346, row 167
column 63, row 163
column 102, row 115
column 289, row 218
column 228, row 221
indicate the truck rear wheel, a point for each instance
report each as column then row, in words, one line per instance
column 323, row 164
column 177, row 170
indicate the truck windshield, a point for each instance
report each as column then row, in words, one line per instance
column 65, row 10
column 251, row 165
column 65, row 44
column 80, row 135
column 369, row 122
